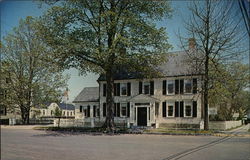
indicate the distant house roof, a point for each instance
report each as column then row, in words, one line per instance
column 178, row 64
column 88, row 94
column 65, row 106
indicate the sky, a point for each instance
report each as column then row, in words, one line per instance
column 12, row 11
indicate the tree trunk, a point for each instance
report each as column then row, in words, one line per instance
column 109, row 122
column 206, row 116
column 25, row 115
column 58, row 122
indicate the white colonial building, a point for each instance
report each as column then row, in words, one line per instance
column 172, row 101
column 47, row 110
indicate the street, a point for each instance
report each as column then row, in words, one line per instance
column 28, row 144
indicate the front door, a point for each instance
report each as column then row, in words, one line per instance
column 142, row 116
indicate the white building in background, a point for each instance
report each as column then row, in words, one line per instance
column 48, row 110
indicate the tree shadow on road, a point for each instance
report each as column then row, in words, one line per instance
column 68, row 133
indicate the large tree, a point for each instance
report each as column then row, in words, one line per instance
column 32, row 77
column 219, row 36
column 103, row 35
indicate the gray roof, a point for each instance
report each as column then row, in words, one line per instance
column 179, row 63
column 65, row 106
column 88, row 94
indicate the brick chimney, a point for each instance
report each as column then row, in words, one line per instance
column 191, row 43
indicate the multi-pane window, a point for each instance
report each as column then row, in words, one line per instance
column 2, row 110
column 188, row 110
column 170, row 86
column 146, row 87
column 123, row 109
column 123, row 89
column 170, row 110
column 188, row 86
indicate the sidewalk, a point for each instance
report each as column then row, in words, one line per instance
column 241, row 131
column 21, row 126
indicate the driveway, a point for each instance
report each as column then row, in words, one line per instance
column 27, row 144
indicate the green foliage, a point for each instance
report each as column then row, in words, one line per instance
column 58, row 112
column 28, row 66
column 102, row 36
column 230, row 90
column 98, row 35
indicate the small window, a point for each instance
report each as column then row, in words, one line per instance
column 80, row 108
column 67, row 113
column 188, row 110
column 43, row 112
column 64, row 113
column 146, row 87
column 123, row 109
column 170, row 110
column 51, row 112
column 170, row 86
column 98, row 112
column 2, row 110
column 85, row 112
column 188, row 86
column 123, row 89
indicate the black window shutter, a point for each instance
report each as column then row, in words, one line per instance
column 177, row 88
column 104, row 110
column 88, row 111
column 115, row 110
column 115, row 92
column 194, row 109
column 164, row 111
column 128, row 89
column 104, row 89
column 194, row 85
column 140, row 87
column 128, row 109
column 176, row 109
column 181, row 86
column 181, row 109
column 118, row 89
column 164, row 87
column 94, row 111
column 118, row 109
column 152, row 87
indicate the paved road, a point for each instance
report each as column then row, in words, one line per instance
column 26, row 144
